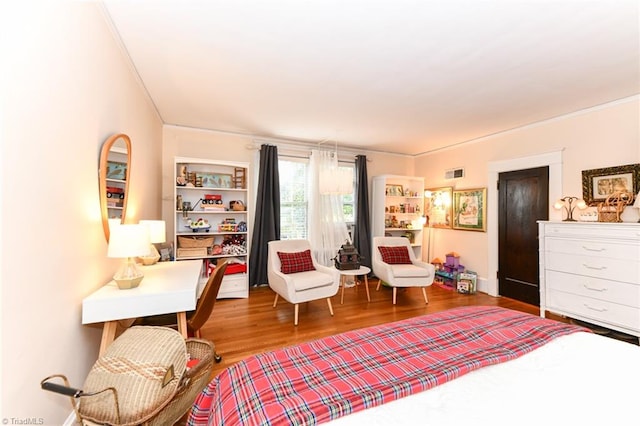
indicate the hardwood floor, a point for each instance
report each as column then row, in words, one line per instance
column 243, row 327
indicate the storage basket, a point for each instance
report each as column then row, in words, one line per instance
column 195, row 242
column 192, row 252
column 142, row 379
column 609, row 210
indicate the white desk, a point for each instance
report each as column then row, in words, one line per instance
column 355, row 273
column 167, row 287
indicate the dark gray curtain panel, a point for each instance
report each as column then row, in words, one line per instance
column 267, row 217
column 362, row 231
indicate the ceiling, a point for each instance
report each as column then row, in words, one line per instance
column 402, row 76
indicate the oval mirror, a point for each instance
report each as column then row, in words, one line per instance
column 115, row 167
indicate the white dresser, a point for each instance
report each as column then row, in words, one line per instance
column 590, row 271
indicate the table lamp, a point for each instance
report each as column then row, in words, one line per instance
column 567, row 203
column 157, row 232
column 127, row 242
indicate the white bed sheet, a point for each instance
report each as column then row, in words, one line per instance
column 578, row 379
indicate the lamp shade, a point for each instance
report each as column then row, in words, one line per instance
column 336, row 180
column 128, row 241
column 157, row 230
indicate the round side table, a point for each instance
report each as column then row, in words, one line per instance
column 344, row 273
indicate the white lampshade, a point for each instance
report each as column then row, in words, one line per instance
column 127, row 242
column 335, row 181
column 157, row 230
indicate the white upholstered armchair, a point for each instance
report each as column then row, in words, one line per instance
column 295, row 275
column 394, row 262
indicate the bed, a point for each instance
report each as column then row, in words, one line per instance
column 472, row 365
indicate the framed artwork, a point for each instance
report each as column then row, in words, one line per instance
column 598, row 184
column 470, row 209
column 438, row 207
column 116, row 170
column 394, row 190
column 214, row 180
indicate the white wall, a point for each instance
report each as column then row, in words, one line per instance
column 66, row 88
column 605, row 136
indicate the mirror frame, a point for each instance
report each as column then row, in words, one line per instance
column 102, row 178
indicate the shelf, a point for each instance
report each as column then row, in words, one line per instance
column 213, row 256
column 402, row 229
column 235, row 190
column 202, row 188
column 214, row 212
column 206, row 234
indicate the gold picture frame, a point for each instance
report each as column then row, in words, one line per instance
column 438, row 207
column 598, row 184
column 470, row 209
column 394, row 190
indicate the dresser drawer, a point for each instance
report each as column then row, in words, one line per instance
column 611, row 269
column 594, row 248
column 603, row 311
column 595, row 288
column 579, row 230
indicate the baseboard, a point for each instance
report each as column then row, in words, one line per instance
column 482, row 285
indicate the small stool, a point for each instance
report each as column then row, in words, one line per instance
column 363, row 270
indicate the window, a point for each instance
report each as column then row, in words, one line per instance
column 294, row 198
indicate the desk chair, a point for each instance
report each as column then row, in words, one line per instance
column 197, row 318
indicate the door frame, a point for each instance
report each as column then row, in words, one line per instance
column 551, row 159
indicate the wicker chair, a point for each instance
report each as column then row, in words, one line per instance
column 145, row 377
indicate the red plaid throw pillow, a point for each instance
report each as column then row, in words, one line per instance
column 296, row 262
column 395, row 255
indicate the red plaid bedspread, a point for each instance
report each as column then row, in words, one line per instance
column 324, row 379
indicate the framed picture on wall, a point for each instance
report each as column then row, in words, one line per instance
column 438, row 207
column 598, row 184
column 470, row 209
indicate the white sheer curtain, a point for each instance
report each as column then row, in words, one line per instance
column 327, row 228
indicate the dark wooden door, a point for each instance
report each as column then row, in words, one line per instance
column 523, row 199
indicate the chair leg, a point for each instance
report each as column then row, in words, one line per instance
column 295, row 314
column 275, row 302
column 330, row 306
column 378, row 286
column 342, row 283
column 366, row 285
column 424, row 293
column 395, row 292
column 197, row 334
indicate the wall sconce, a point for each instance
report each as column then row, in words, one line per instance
column 567, row 203
column 127, row 242
column 157, row 234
